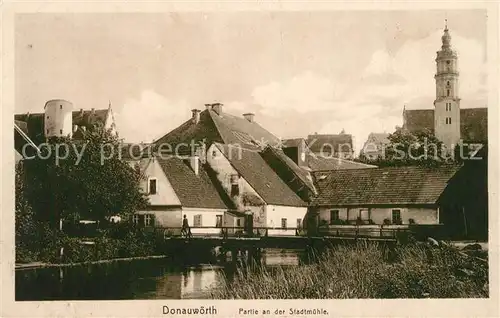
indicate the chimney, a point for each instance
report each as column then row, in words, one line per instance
column 208, row 106
column 217, row 107
column 81, row 111
column 27, row 115
column 249, row 116
column 92, row 111
column 75, row 128
column 196, row 115
column 194, row 162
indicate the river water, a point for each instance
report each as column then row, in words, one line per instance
column 137, row 279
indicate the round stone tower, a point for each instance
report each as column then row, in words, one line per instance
column 58, row 120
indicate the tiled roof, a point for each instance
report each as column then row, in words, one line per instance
column 193, row 191
column 382, row 138
column 294, row 142
column 254, row 169
column 393, row 185
column 319, row 163
column 419, row 120
column 297, row 178
column 473, row 122
column 224, row 128
column 35, row 122
column 319, row 142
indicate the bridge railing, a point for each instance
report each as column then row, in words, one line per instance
column 231, row 231
column 392, row 231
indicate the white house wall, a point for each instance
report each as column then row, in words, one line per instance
column 167, row 218
column 208, row 218
column 165, row 194
column 377, row 215
column 277, row 212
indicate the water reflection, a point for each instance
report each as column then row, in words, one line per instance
column 143, row 279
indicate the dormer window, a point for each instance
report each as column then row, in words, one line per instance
column 448, row 83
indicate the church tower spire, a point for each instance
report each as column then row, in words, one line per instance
column 447, row 102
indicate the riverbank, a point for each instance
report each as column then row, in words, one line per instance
column 35, row 265
column 416, row 270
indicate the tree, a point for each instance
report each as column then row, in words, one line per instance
column 411, row 149
column 82, row 179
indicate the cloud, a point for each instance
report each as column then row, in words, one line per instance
column 374, row 101
column 303, row 93
column 150, row 116
column 414, row 63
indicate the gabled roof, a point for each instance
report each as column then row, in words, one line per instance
column 297, row 178
column 382, row 186
column 321, row 142
column 473, row 122
column 224, row 128
column 254, row 169
column 193, row 191
column 320, row 163
column 382, row 138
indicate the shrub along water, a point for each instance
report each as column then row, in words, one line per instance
column 415, row 270
column 115, row 242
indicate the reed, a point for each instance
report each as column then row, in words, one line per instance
column 366, row 271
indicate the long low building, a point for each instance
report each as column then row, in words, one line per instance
column 394, row 196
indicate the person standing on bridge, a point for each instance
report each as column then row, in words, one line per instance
column 186, row 230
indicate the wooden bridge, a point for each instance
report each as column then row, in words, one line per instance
column 250, row 243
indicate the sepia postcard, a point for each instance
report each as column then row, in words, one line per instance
column 249, row 159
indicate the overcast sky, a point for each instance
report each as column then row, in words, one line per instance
column 299, row 72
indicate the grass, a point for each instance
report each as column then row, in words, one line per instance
column 366, row 270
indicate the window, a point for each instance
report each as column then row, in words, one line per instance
column 447, row 92
column 238, row 222
column 48, row 117
column 235, row 190
column 149, row 220
column 218, row 221
column 364, row 214
column 448, row 107
column 136, row 219
column 448, row 62
column 60, row 106
column 334, row 215
column 396, row 217
column 214, row 153
column 283, row 223
column 152, row 186
column 448, row 83
column 197, row 220
column 299, row 223
column 448, row 120
column 60, row 131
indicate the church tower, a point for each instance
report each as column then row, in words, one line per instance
column 447, row 103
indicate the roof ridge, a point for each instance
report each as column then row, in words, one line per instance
column 217, row 128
